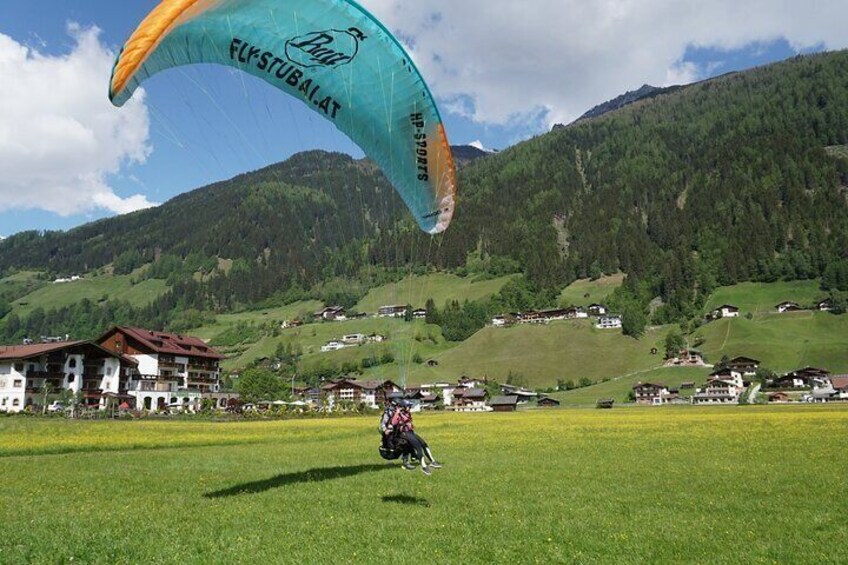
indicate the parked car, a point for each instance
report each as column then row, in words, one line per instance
column 56, row 406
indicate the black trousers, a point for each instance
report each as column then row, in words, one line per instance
column 416, row 444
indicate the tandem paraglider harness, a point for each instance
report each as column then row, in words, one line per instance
column 393, row 446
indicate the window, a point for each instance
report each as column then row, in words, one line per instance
column 119, row 345
column 72, row 363
column 18, row 383
column 19, row 367
column 71, row 377
column 108, row 371
column 4, row 402
column 16, row 402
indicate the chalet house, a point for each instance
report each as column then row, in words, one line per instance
column 649, row 393
column 840, row 386
column 559, row 314
column 334, row 345
column 504, row 403
column 523, row 394
column 423, row 399
column 472, row 383
column 394, row 311
column 371, row 393
column 354, row 339
column 596, row 310
column 442, row 390
column 719, row 391
column 725, row 311
column 778, row 397
column 729, row 375
column 744, row 365
column 808, row 377
column 499, row 321
column 27, row 372
column 825, row 305
column 419, row 313
column 531, row 317
column 547, row 402
column 331, row 314
column 174, row 371
column 609, row 322
column 471, row 400
column 687, row 357
column 788, row 307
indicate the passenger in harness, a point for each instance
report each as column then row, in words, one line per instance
column 393, row 444
column 402, row 421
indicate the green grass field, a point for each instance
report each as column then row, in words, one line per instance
column 441, row 287
column 783, row 342
column 19, row 284
column 670, row 485
column 275, row 315
column 543, row 354
column 584, row 292
column 401, row 342
column 618, row 388
column 757, row 298
column 95, row 288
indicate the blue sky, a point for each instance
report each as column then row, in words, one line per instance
column 499, row 79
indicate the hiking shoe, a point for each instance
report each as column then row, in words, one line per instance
column 426, row 470
column 435, row 465
column 408, row 466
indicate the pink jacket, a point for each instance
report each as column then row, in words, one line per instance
column 402, row 421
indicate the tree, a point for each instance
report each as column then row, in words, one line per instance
column 633, row 319
column 260, row 384
column 674, row 344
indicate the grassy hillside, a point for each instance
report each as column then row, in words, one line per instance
column 561, row 486
column 543, row 354
column 782, row 342
column 619, row 387
column 585, row 291
column 94, row 288
column 404, row 340
column 278, row 315
column 441, row 287
column 757, row 298
column 17, row 285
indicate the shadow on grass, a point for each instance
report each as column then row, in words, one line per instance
column 312, row 475
column 406, row 499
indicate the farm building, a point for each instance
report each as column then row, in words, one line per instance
column 504, row 403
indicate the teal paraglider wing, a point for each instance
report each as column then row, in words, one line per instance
column 332, row 55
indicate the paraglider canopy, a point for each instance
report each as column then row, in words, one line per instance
column 333, row 56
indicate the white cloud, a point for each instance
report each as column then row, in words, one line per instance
column 508, row 62
column 60, row 137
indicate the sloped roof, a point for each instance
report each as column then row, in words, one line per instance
column 35, row 350
column 170, row 343
column 839, row 381
column 504, row 401
column 16, row 352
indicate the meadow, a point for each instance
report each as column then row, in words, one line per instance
column 93, row 287
column 720, row 485
column 619, row 388
column 441, row 287
column 584, row 292
column 683, row 485
column 782, row 342
column 544, row 354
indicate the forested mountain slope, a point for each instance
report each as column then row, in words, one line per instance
column 739, row 178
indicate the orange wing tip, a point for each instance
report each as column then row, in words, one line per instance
column 146, row 38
